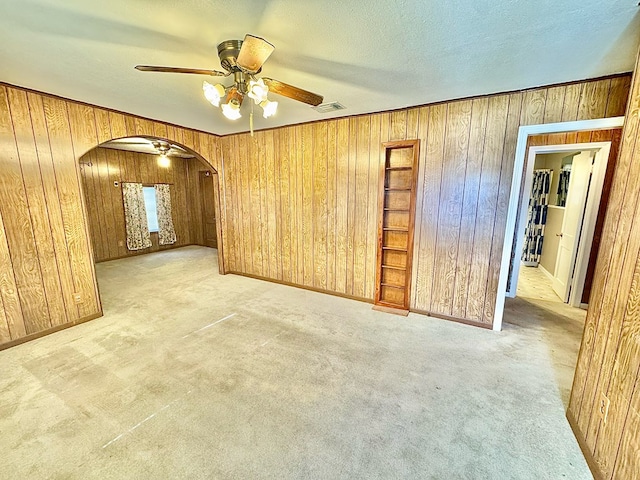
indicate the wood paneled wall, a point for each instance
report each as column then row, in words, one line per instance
column 47, row 278
column 306, row 195
column 104, row 200
column 609, row 359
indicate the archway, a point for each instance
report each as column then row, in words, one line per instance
column 135, row 159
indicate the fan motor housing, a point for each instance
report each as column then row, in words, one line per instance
column 228, row 52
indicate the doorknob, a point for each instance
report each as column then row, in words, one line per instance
column 558, row 234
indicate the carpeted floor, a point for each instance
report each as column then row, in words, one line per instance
column 193, row 375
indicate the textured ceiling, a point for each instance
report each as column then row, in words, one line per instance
column 369, row 56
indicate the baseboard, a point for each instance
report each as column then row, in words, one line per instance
column 546, row 272
column 49, row 331
column 141, row 252
column 452, row 319
column 303, row 287
column 593, row 465
column 361, row 299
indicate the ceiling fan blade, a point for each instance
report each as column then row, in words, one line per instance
column 253, row 53
column 290, row 91
column 198, row 71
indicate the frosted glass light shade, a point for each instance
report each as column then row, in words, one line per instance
column 268, row 108
column 258, row 91
column 213, row 93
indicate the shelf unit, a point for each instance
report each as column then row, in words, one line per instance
column 396, row 203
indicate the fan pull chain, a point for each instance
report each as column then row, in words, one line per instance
column 251, row 120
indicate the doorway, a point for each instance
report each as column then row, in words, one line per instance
column 559, row 220
column 207, row 196
column 521, row 181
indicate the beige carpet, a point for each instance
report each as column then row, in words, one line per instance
column 194, row 375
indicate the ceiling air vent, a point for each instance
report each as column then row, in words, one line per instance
column 329, row 107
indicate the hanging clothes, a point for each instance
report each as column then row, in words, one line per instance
column 563, row 186
column 536, row 217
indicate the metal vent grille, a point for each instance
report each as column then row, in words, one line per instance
column 329, row 107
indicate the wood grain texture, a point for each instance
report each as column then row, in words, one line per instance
column 104, row 200
column 272, row 189
column 465, row 170
column 46, row 252
column 609, row 359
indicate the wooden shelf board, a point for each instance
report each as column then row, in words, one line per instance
column 395, row 229
column 394, row 267
column 387, row 189
column 397, row 210
column 399, row 287
column 398, row 168
column 395, row 249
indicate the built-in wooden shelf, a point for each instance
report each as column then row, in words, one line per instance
column 398, row 173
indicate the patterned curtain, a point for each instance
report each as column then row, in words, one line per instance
column 536, row 217
column 166, row 233
column 135, row 217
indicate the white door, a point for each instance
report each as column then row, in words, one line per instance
column 572, row 223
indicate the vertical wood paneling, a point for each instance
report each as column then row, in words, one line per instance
column 361, row 187
column 487, row 204
column 342, row 192
column 375, row 151
column 332, row 203
column 478, row 124
column 14, row 208
column 456, row 149
column 609, row 359
column 38, row 210
column 46, row 254
column 434, row 160
column 52, row 198
column 320, row 193
column 104, row 200
column 284, row 192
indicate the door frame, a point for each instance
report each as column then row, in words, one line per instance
column 592, row 205
column 516, row 181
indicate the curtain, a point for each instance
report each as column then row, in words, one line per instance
column 536, row 217
column 135, row 217
column 166, row 233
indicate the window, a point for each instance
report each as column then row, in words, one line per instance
column 150, row 206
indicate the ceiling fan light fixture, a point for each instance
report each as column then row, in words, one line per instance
column 268, row 108
column 213, row 93
column 258, row 91
column 231, row 109
column 164, row 161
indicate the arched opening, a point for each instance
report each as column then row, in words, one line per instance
column 153, row 165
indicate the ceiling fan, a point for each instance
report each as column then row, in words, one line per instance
column 243, row 59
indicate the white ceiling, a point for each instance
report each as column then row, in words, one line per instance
column 369, row 56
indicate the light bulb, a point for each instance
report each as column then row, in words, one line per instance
column 258, row 91
column 164, row 161
column 231, row 110
column 268, row 108
column 213, row 93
